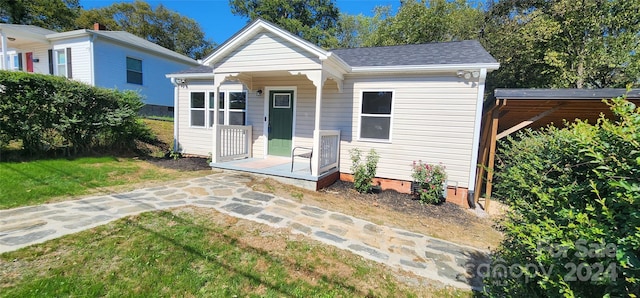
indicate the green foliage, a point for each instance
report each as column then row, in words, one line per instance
column 57, row 15
column 572, row 190
column 52, row 113
column 313, row 20
column 558, row 44
column 363, row 170
column 420, row 21
column 160, row 25
column 430, row 181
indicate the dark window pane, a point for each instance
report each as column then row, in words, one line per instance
column 375, row 127
column 376, row 102
column 237, row 100
column 197, row 100
column 236, row 118
column 282, row 101
column 221, row 101
column 211, row 99
column 134, row 64
column 221, row 118
column 211, row 118
column 197, row 118
column 134, row 77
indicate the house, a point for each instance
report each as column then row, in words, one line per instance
column 110, row 59
column 265, row 91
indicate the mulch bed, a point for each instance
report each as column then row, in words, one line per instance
column 405, row 203
column 182, row 164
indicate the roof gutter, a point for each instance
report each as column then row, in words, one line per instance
column 421, row 68
column 190, row 75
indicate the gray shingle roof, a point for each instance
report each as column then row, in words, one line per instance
column 131, row 39
column 456, row 52
column 550, row 94
column 196, row 70
column 27, row 28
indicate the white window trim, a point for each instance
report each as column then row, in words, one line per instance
column 204, row 110
column 226, row 110
column 56, row 65
column 141, row 71
column 391, row 116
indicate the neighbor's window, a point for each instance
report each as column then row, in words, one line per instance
column 375, row 115
column 134, row 71
column 61, row 62
column 197, row 109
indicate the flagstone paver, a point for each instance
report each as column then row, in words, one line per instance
column 442, row 261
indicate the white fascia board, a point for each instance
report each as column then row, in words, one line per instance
column 421, row 68
column 253, row 30
column 190, row 75
column 339, row 63
column 68, row 34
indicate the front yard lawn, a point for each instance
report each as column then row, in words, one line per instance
column 40, row 181
column 197, row 252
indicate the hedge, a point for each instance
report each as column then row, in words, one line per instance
column 573, row 229
column 53, row 113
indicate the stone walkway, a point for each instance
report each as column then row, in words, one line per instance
column 424, row 256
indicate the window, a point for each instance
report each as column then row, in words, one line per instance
column 232, row 108
column 237, row 108
column 197, row 109
column 15, row 62
column 134, row 71
column 375, row 115
column 60, row 59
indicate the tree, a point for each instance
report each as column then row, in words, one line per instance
column 57, row 15
column 161, row 26
column 313, row 20
column 358, row 30
column 560, row 44
column 421, row 21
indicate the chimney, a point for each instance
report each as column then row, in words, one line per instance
column 98, row 27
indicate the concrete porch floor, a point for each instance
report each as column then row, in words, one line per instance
column 278, row 168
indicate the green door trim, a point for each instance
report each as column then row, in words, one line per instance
column 280, row 126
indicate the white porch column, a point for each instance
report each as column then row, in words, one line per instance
column 4, row 51
column 318, row 80
column 217, row 81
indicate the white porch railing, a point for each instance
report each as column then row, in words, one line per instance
column 233, row 142
column 327, row 144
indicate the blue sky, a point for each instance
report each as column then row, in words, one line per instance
column 216, row 19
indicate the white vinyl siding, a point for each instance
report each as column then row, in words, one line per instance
column 267, row 52
column 80, row 59
column 433, row 121
column 198, row 140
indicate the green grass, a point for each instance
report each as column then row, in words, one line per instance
column 193, row 252
column 35, row 182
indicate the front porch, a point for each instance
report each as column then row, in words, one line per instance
column 233, row 151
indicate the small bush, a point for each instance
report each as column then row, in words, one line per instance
column 53, row 113
column 363, row 171
column 574, row 197
column 429, row 180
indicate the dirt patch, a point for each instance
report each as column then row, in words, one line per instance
column 182, row 164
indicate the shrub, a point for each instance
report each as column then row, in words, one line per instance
column 429, row 180
column 50, row 112
column 574, row 197
column 363, row 171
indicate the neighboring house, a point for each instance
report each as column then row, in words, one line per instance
column 110, row 59
column 274, row 91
